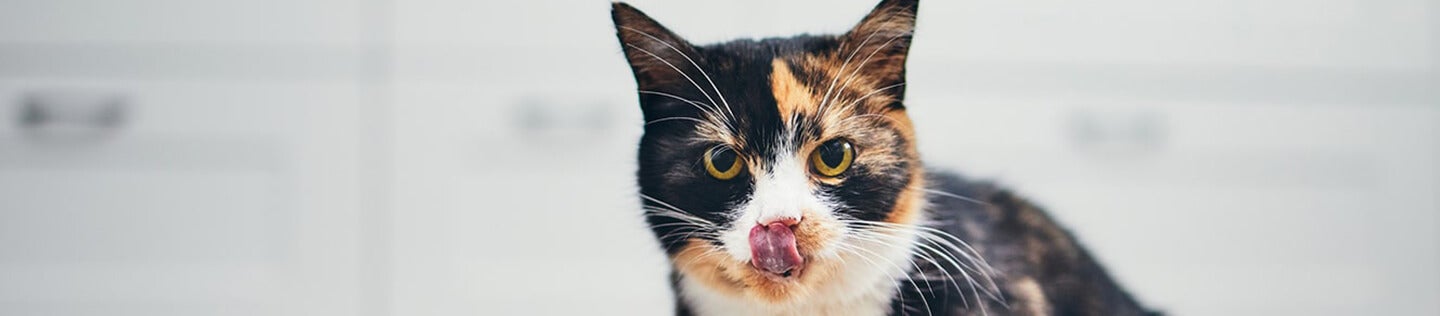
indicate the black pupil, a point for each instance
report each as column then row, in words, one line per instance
column 831, row 153
column 723, row 159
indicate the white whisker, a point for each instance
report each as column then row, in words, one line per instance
column 928, row 236
column 692, row 63
column 677, row 69
column 824, row 100
column 855, row 73
column 927, row 257
column 853, row 249
column 942, row 238
column 957, row 196
column 697, row 104
column 676, row 118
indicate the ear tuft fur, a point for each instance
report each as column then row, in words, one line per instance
column 883, row 37
column 657, row 56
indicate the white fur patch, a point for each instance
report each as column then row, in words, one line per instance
column 782, row 191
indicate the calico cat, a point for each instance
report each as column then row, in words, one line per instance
column 781, row 177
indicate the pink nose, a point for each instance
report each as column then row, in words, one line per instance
column 788, row 221
column 772, row 248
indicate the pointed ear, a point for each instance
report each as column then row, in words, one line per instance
column 882, row 37
column 656, row 55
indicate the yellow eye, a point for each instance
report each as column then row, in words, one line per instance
column 722, row 163
column 832, row 158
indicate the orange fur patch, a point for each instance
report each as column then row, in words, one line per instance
column 701, row 262
column 909, row 202
column 1030, row 296
column 790, row 94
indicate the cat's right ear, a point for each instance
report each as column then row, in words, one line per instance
column 656, row 55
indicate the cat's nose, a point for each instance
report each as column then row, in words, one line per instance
column 785, row 220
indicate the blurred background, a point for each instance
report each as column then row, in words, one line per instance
column 463, row 157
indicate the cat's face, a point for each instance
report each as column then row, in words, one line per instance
column 781, row 168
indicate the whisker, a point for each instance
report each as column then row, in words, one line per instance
column 922, row 254
column 853, row 250
column 957, row 196
column 939, row 238
column 682, row 73
column 699, row 222
column 856, row 72
column 668, row 205
column 872, row 237
column 677, row 224
column 960, row 267
column 692, row 63
column 824, row 100
column 712, row 110
column 702, row 256
column 871, row 93
column 892, row 264
column 673, row 118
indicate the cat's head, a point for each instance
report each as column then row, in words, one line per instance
column 778, row 169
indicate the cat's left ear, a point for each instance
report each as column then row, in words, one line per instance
column 656, row 55
column 882, row 37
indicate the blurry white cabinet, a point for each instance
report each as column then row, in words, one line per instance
column 232, row 185
column 209, row 198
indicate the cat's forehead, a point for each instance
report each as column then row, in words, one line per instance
column 753, row 61
column 778, row 94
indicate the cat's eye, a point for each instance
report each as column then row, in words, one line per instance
column 722, row 163
column 833, row 157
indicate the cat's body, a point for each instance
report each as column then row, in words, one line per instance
column 1040, row 269
column 781, row 177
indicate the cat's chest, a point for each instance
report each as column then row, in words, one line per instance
column 860, row 301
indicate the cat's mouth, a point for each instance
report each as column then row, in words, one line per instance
column 773, row 250
column 788, row 259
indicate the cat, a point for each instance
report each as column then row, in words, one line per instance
column 781, row 177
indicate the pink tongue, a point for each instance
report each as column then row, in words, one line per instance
column 772, row 249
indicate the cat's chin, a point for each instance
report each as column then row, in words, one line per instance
column 722, row 284
column 737, row 279
column 791, row 276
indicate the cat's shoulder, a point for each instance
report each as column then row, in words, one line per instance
column 954, row 193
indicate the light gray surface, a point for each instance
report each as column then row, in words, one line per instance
column 448, row 157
